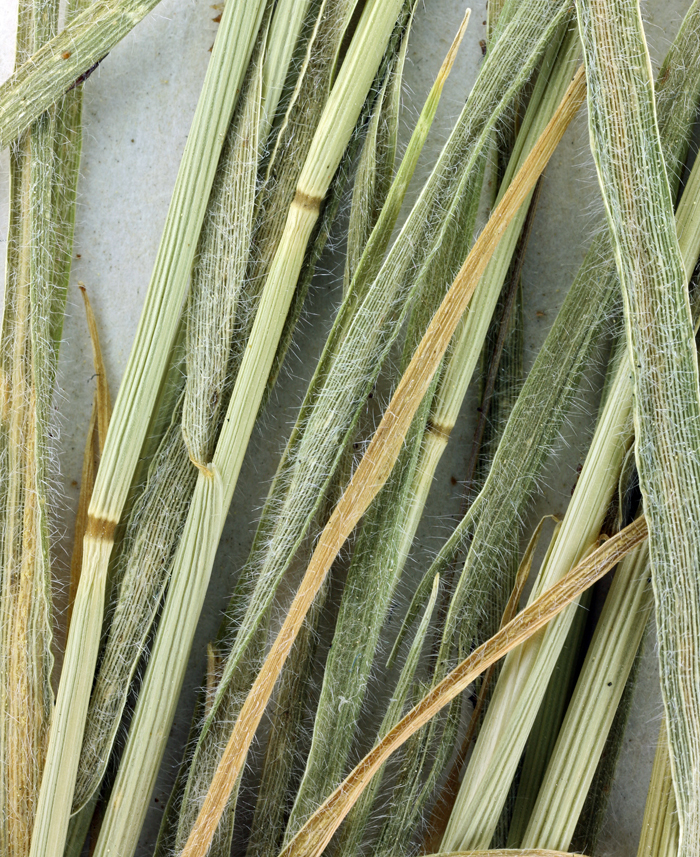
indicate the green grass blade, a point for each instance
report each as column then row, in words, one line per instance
column 486, row 790
column 353, row 830
column 65, row 61
column 628, row 157
column 43, row 176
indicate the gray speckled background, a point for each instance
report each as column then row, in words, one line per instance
column 138, row 107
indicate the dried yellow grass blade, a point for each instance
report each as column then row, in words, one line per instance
column 97, row 432
column 377, row 464
column 87, row 483
column 506, row 852
column 102, row 397
column 317, row 833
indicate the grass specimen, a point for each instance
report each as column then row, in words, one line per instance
column 362, row 334
column 375, row 467
column 49, row 70
column 300, row 98
column 94, row 445
column 388, row 531
column 603, row 677
column 622, row 623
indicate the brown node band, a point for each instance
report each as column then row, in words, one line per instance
column 307, row 202
column 440, row 431
column 101, row 529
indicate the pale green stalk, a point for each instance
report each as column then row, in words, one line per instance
column 214, row 311
column 217, row 479
column 137, row 396
column 545, row 730
column 660, row 830
column 526, row 673
column 592, row 708
column 308, row 100
column 663, row 357
column 288, row 21
column 219, row 313
column 141, row 577
column 65, row 61
column 596, row 807
column 529, row 434
column 549, row 90
column 291, row 143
